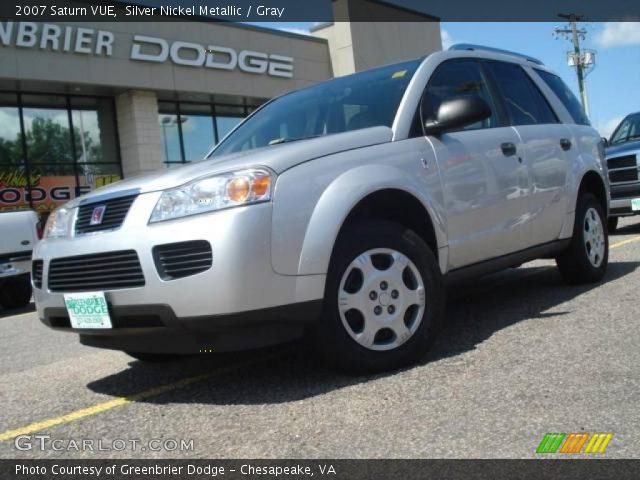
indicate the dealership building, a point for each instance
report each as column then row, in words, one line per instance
column 85, row 104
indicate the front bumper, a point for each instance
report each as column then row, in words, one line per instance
column 15, row 265
column 622, row 195
column 621, row 208
column 241, row 278
column 156, row 329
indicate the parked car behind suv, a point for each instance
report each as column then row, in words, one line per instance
column 19, row 234
column 343, row 211
column 622, row 155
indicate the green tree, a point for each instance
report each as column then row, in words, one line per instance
column 49, row 151
column 10, row 152
column 48, row 142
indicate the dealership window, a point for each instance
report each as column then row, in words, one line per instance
column 10, row 148
column 54, row 148
column 189, row 130
column 225, row 125
column 170, row 131
column 198, row 131
column 227, row 117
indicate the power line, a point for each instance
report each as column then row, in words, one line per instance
column 582, row 59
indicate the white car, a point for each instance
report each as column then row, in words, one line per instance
column 19, row 236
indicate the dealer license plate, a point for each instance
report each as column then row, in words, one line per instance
column 88, row 310
column 635, row 204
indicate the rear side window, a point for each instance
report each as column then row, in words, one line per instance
column 566, row 96
column 522, row 99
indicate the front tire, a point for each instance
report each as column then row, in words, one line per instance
column 15, row 292
column 586, row 259
column 384, row 299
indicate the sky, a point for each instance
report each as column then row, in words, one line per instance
column 614, row 84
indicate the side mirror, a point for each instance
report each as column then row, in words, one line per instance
column 605, row 141
column 457, row 113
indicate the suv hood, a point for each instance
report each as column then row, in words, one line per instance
column 628, row 147
column 276, row 157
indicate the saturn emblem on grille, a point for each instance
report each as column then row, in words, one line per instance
column 97, row 215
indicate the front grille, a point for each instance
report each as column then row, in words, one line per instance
column 100, row 271
column 116, row 210
column 629, row 175
column 36, row 273
column 118, row 320
column 625, row 191
column 621, row 211
column 622, row 162
column 177, row 260
column 16, row 256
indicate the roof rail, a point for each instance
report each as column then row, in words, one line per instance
column 468, row 46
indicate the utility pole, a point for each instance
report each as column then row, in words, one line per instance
column 582, row 60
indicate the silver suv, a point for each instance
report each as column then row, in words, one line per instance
column 340, row 211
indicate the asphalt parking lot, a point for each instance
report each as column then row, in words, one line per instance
column 522, row 355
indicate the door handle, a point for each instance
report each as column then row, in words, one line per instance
column 508, row 149
column 565, row 143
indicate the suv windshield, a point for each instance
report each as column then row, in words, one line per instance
column 357, row 101
column 629, row 129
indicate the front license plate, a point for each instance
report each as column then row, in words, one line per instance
column 88, row 310
column 635, row 204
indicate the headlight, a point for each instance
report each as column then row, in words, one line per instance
column 58, row 223
column 214, row 193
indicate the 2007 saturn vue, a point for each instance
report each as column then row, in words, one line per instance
column 342, row 211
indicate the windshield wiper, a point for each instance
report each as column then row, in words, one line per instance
column 278, row 141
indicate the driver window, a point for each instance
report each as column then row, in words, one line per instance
column 454, row 79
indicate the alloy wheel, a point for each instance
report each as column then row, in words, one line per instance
column 594, row 240
column 381, row 299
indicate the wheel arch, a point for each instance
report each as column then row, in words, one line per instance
column 395, row 205
column 593, row 182
column 362, row 192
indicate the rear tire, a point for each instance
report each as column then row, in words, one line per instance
column 613, row 224
column 155, row 357
column 15, row 292
column 586, row 259
column 387, row 315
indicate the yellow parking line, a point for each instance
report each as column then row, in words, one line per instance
column 120, row 401
column 152, row 392
column 625, row 242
